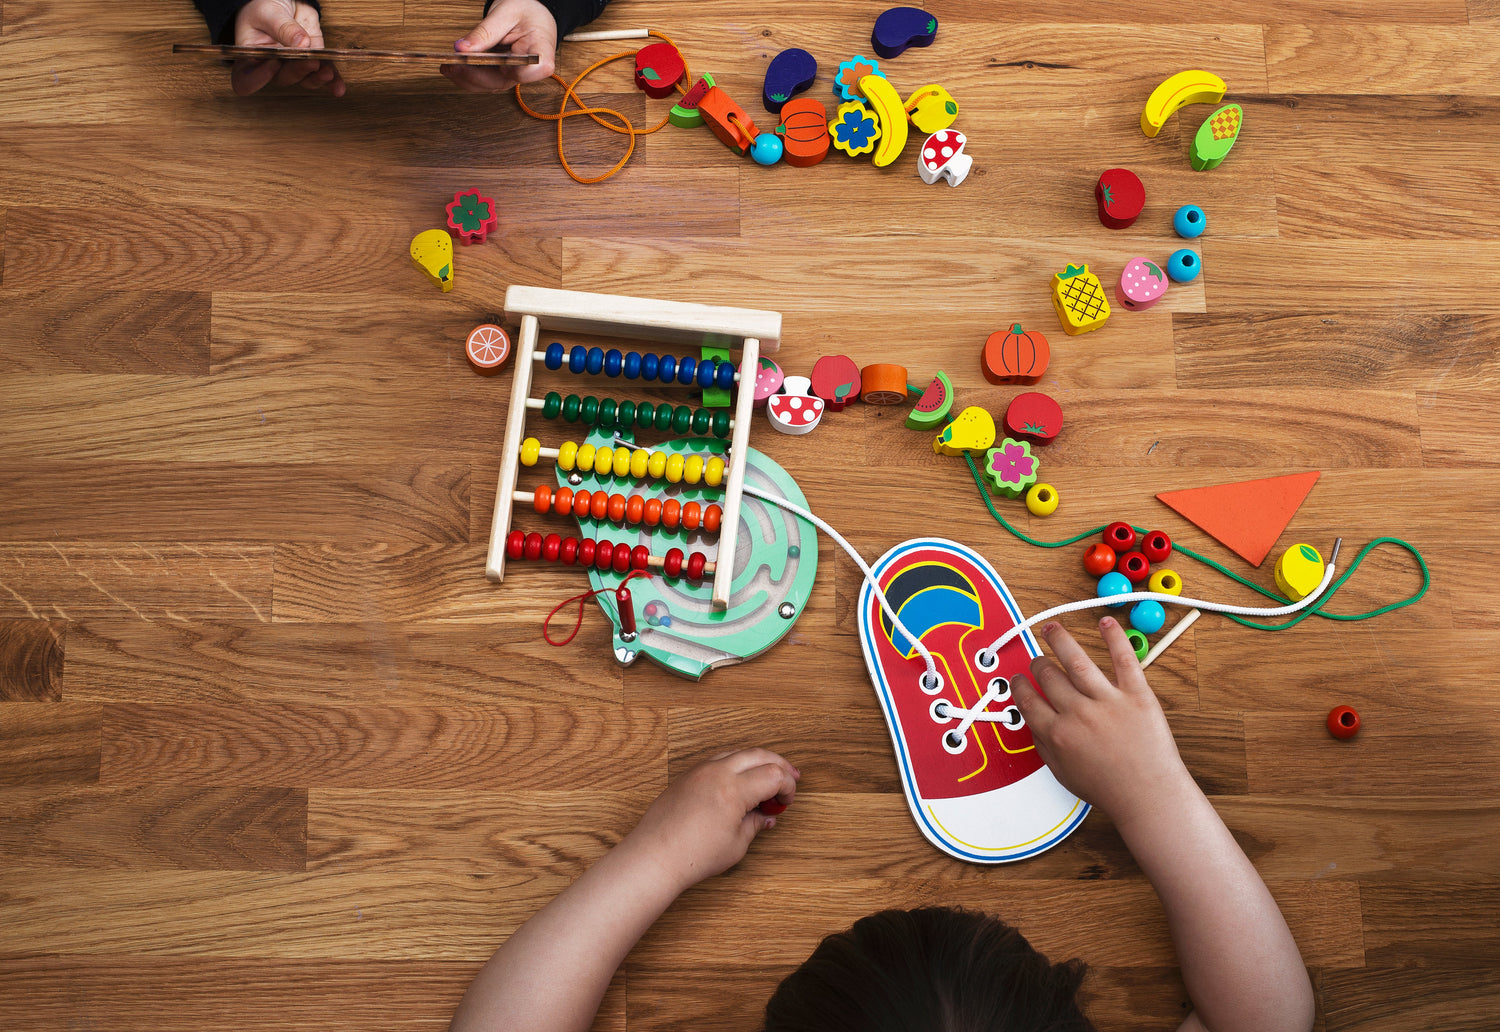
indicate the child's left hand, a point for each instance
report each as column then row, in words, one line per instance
column 527, row 26
column 706, row 819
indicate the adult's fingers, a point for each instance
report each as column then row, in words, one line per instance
column 480, row 80
column 250, row 75
column 1081, row 670
column 290, row 33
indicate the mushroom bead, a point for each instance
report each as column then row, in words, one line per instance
column 943, row 157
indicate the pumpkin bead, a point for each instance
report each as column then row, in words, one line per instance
column 1018, row 356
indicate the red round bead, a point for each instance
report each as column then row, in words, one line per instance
column 695, row 565
column 586, row 549
column 1343, row 722
column 604, row 554
column 622, row 559
column 1156, row 546
column 1120, row 536
column 672, row 564
column 533, row 545
column 515, row 544
column 640, row 555
column 569, row 550
column 1098, row 559
column 551, row 547
column 1134, row 566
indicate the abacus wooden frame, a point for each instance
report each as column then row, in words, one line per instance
column 749, row 330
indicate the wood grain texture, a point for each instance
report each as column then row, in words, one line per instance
column 31, row 660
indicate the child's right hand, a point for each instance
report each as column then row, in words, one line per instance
column 1107, row 743
column 281, row 23
column 705, row 820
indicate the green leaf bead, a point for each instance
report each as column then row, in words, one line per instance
column 607, row 412
column 570, row 408
column 551, row 405
column 702, row 420
column 721, row 423
column 682, row 419
column 590, row 409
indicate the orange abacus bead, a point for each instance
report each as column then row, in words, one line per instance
column 692, row 512
column 599, row 505
column 617, row 506
column 671, row 509
column 653, row 511
column 711, row 518
column 581, row 503
column 562, row 502
column 541, row 498
column 635, row 508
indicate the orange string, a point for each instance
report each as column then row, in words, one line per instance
column 625, row 127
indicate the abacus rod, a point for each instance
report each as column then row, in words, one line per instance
column 515, row 429
column 540, row 403
column 541, row 356
column 739, row 444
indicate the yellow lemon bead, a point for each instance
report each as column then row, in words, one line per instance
column 640, row 461
column 1041, row 499
column 692, row 470
column 1165, row 581
column 531, row 448
column 657, row 467
column 713, row 475
column 585, row 457
column 674, row 467
column 622, row 461
column 604, row 461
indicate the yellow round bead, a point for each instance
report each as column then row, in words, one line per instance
column 1041, row 499
column 692, row 470
column 1165, row 581
column 531, row 449
column 713, row 475
column 622, row 461
column 604, row 461
column 674, row 467
column 657, row 467
column 640, row 461
column 585, row 457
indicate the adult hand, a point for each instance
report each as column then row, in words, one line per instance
column 705, row 820
column 283, row 23
column 523, row 27
column 1108, row 743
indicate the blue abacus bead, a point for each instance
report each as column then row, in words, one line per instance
column 554, row 357
column 613, row 362
column 668, row 369
column 577, row 358
column 1184, row 266
column 687, row 365
column 649, row 364
column 1148, row 616
column 632, row 365
column 1114, row 583
column 705, row 375
column 767, row 149
column 724, row 376
column 596, row 360
column 1189, row 222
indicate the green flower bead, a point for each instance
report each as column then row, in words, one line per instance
column 702, row 420
column 607, row 412
column 551, row 405
column 682, row 419
column 570, row 408
column 664, row 417
column 590, row 409
column 721, row 423
column 627, row 413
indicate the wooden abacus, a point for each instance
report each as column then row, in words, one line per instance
column 670, row 322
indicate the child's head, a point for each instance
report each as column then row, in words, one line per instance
column 937, row 969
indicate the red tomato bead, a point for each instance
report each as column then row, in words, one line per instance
column 586, row 549
column 617, row 507
column 1098, row 559
column 695, row 565
column 551, row 547
column 640, row 556
column 653, row 511
column 1156, row 546
column 622, row 559
column 604, row 554
column 1120, row 536
column 692, row 512
column 533, row 545
column 569, row 550
column 541, row 499
column 635, row 509
column 672, row 563
column 562, row 502
column 1343, row 722
column 712, row 516
column 515, row 544
column 1134, row 566
column 599, row 505
column 671, row 510
column 581, row 504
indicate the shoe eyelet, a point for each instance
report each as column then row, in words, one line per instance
column 986, row 660
column 935, row 678
column 954, row 743
column 1011, row 718
column 1000, row 686
column 939, row 711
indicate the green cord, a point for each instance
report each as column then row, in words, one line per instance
column 1316, row 607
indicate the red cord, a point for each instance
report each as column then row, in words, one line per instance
column 581, row 599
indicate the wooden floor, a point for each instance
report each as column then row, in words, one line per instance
column 275, row 755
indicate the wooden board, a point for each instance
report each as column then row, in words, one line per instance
column 411, row 57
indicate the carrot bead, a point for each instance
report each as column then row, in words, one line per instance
column 671, row 509
column 515, row 543
column 671, row 563
column 692, row 512
column 617, row 506
column 711, row 518
column 562, row 502
column 541, row 499
column 533, row 545
column 551, row 547
column 695, row 565
column 640, row 555
column 599, row 505
column 653, row 511
column 635, row 508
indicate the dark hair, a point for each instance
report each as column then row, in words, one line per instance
column 937, row 969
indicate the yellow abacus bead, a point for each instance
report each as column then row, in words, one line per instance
column 585, row 457
column 640, row 460
column 604, row 461
column 567, row 455
column 692, row 469
column 622, row 461
column 713, row 474
column 1041, row 500
column 674, row 468
column 657, row 467
column 1165, row 581
column 531, row 448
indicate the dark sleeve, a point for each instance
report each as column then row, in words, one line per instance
column 220, row 15
column 570, row 15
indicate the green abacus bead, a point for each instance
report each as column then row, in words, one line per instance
column 627, row 413
column 607, row 412
column 590, row 409
column 664, row 417
column 551, row 405
column 645, row 412
column 702, row 420
column 682, row 419
column 570, row 408
column 721, row 423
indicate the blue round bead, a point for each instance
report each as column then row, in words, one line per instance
column 1189, row 222
column 649, row 364
column 1148, row 616
column 1184, row 266
column 767, row 149
column 613, row 362
column 686, row 365
column 577, row 358
column 1114, row 583
column 554, row 355
column 705, row 375
column 632, row 365
column 725, row 376
column 668, row 370
column 596, row 360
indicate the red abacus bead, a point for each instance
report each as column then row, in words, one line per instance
column 581, row 504
column 622, row 559
column 712, row 516
column 635, row 508
column 586, row 549
column 1134, row 566
column 671, row 510
column 1156, row 546
column 653, row 511
column 617, row 507
column 515, row 544
column 604, row 554
column 569, row 550
column 541, row 499
column 533, row 545
column 672, row 563
column 1343, row 722
column 695, row 565
column 640, row 556
column 1098, row 559
column 562, row 502
column 692, row 513
column 599, row 505
column 551, row 547
column 1120, row 536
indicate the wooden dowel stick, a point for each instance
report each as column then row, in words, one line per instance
column 1171, row 636
column 739, row 444
column 599, row 35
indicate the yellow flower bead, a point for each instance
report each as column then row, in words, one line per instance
column 692, row 470
column 1166, row 582
column 640, row 461
column 657, row 467
column 604, row 461
column 674, row 468
column 713, row 475
column 1041, row 499
column 531, row 449
column 585, row 458
column 622, row 461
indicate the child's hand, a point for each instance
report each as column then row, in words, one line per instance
column 705, row 820
column 283, row 23
column 527, row 26
column 1108, row 743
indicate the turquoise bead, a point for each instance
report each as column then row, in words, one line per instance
column 1114, row 584
column 767, row 149
column 1189, row 222
column 1184, row 266
column 1148, row 616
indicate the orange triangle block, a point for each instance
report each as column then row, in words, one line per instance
column 1247, row 517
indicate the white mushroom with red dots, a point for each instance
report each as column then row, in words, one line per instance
column 943, row 157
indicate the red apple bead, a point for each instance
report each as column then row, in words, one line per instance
column 695, row 565
column 1343, row 722
column 673, row 562
column 586, row 549
column 570, row 550
column 604, row 554
column 1120, row 536
column 1156, row 546
column 551, row 547
column 640, row 555
column 533, row 545
column 1098, row 559
column 1134, row 566
column 515, row 544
